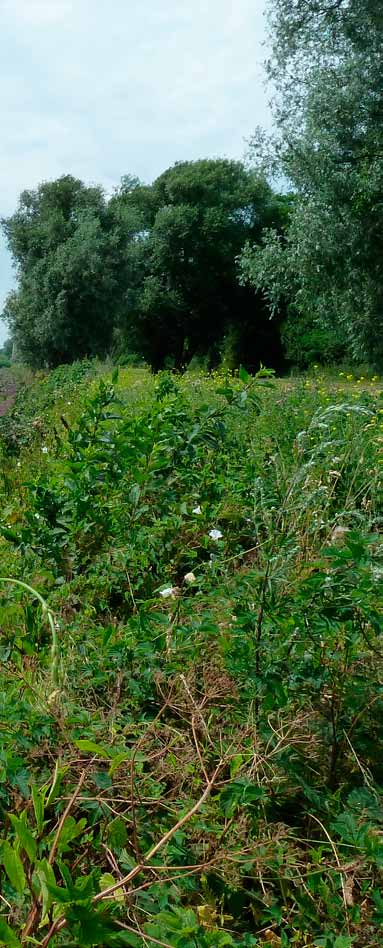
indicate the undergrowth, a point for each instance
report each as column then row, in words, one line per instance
column 191, row 743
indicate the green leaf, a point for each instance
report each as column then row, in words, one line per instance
column 240, row 793
column 45, row 876
column 92, row 929
column 106, row 880
column 56, row 784
column 13, row 867
column 70, row 830
column 7, row 936
column 117, row 761
column 243, row 375
column 38, row 799
column 90, row 747
column 117, row 833
column 126, row 938
column 24, row 835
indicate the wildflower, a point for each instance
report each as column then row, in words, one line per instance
column 189, row 578
column 37, row 516
column 44, row 449
column 168, row 592
column 215, row 534
column 197, row 510
column 18, row 464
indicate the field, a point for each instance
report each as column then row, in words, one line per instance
column 192, row 663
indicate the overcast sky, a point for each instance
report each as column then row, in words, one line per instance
column 102, row 88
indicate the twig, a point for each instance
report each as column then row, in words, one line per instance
column 335, row 851
column 60, row 923
column 162, row 842
column 66, row 812
column 137, row 931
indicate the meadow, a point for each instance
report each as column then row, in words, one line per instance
column 191, row 600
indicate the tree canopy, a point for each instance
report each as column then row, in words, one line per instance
column 183, row 294
column 327, row 68
column 153, row 269
column 67, row 264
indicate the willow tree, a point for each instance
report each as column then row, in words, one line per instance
column 327, row 68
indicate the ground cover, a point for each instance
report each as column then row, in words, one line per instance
column 191, row 623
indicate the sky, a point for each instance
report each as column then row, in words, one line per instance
column 102, row 88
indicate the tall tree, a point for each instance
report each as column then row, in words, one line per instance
column 196, row 219
column 327, row 67
column 67, row 262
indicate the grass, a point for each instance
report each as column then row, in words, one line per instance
column 197, row 760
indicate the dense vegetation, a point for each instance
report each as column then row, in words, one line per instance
column 150, row 272
column 191, row 564
column 192, row 671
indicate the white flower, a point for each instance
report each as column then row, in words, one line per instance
column 18, row 464
column 37, row 516
column 168, row 591
column 215, row 534
column 44, row 449
column 189, row 578
column 197, row 510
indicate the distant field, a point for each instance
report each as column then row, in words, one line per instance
column 192, row 661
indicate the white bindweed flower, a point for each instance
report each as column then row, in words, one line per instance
column 168, row 591
column 197, row 510
column 215, row 534
column 44, row 449
column 189, row 578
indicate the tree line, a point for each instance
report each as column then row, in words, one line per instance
column 151, row 271
column 210, row 261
